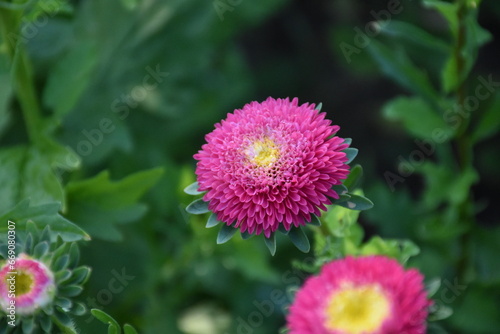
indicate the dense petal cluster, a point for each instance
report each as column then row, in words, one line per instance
column 27, row 285
column 271, row 163
column 365, row 295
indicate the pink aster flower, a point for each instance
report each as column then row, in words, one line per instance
column 364, row 295
column 270, row 164
column 29, row 285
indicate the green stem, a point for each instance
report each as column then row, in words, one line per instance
column 22, row 74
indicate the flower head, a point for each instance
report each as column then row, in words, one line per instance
column 270, row 164
column 29, row 285
column 365, row 295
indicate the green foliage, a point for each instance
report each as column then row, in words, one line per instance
column 97, row 204
column 114, row 327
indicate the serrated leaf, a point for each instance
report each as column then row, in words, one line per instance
column 225, row 234
column 417, row 116
column 357, row 202
column 192, row 189
column 98, row 203
column 198, row 207
column 212, row 221
column 27, row 173
column 41, row 216
column 351, row 153
column 299, row 239
column 271, row 243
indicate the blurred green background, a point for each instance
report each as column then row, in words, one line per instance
column 162, row 73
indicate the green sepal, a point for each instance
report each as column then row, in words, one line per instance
column 432, row 286
column 198, row 207
column 271, row 243
column 354, row 178
column 283, row 230
column 245, row 235
column 212, row 221
column 347, row 141
column 357, row 202
column 315, row 220
column 225, row 233
column 351, row 153
column 192, row 189
column 319, row 106
column 299, row 239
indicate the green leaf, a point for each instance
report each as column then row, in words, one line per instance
column 415, row 34
column 417, row 116
column 400, row 250
column 98, row 203
column 448, row 10
column 192, row 189
column 489, row 124
column 198, row 207
column 225, row 234
column 41, row 216
column 357, row 202
column 70, row 77
column 26, row 173
column 105, row 318
column 475, row 36
column 339, row 220
column 319, row 106
column 212, row 221
column 5, row 93
column 128, row 329
column 271, row 243
column 396, row 65
column 351, row 153
column 130, row 5
column 299, row 239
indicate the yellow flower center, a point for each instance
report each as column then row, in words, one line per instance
column 24, row 283
column 356, row 310
column 263, row 152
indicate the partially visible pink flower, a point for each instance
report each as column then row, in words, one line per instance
column 364, row 295
column 271, row 163
column 29, row 284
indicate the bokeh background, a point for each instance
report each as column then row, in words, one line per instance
column 210, row 57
